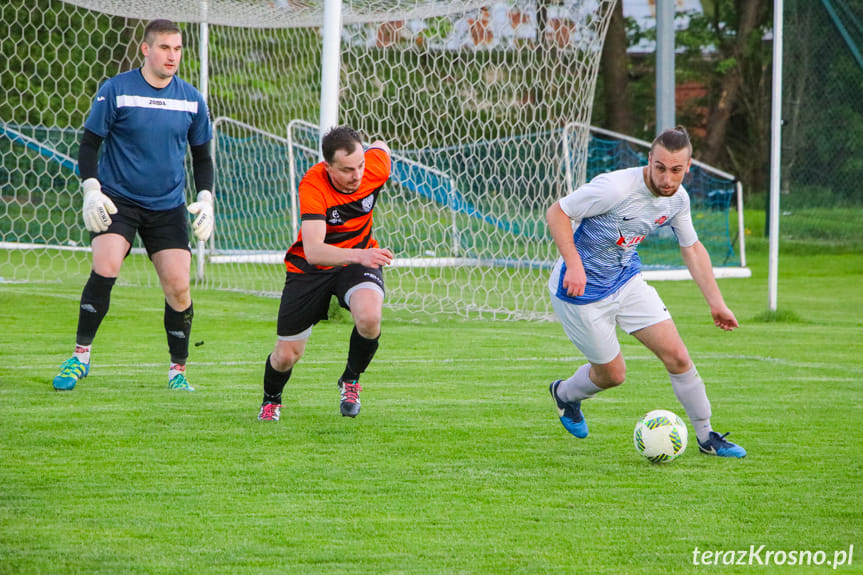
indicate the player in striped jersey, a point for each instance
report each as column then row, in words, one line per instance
column 334, row 255
column 597, row 285
column 146, row 118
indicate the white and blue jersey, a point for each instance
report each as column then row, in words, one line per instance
column 617, row 211
column 146, row 131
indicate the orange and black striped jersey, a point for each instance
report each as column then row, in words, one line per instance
column 348, row 215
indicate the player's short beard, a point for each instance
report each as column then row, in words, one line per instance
column 657, row 190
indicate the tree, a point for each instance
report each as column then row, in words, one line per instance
column 614, row 69
column 738, row 28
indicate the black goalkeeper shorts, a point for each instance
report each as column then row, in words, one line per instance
column 159, row 229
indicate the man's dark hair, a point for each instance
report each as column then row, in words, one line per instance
column 673, row 140
column 159, row 27
column 338, row 138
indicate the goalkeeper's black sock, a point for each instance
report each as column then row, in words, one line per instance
column 178, row 327
column 360, row 354
column 274, row 383
column 95, row 301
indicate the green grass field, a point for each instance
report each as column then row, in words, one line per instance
column 457, row 463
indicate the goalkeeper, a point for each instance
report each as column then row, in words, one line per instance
column 145, row 118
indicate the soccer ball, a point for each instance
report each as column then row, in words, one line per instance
column 660, row 436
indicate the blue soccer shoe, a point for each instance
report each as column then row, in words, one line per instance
column 70, row 372
column 570, row 413
column 718, row 445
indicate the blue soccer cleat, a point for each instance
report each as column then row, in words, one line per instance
column 718, row 445
column 70, row 372
column 180, row 383
column 570, row 413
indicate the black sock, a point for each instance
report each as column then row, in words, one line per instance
column 178, row 327
column 274, row 383
column 95, row 300
column 360, row 354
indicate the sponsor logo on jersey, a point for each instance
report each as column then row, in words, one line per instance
column 661, row 220
column 131, row 101
column 625, row 242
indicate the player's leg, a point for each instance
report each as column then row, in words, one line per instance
column 360, row 290
column 109, row 249
column 166, row 237
column 644, row 316
column 277, row 372
column 591, row 329
column 172, row 267
column 644, row 306
column 305, row 301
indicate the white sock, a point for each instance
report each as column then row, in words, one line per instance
column 691, row 393
column 578, row 386
column 175, row 370
column 82, row 353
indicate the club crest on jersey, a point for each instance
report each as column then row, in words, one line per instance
column 368, row 203
column 335, row 218
column 661, row 220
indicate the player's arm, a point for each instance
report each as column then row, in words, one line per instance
column 320, row 253
column 204, row 172
column 378, row 168
column 97, row 207
column 698, row 263
column 381, row 145
column 560, row 226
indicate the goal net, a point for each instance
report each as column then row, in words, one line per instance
column 485, row 105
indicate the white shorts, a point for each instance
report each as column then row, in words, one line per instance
column 591, row 327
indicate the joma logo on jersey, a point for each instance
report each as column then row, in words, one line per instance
column 661, row 220
column 158, row 102
column 630, row 242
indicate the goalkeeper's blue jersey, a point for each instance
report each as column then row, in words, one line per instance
column 617, row 212
column 146, row 131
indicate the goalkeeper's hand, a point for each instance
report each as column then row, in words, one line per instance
column 203, row 224
column 97, row 206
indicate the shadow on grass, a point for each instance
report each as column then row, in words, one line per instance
column 779, row 316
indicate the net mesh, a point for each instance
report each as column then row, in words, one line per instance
column 485, row 107
column 272, row 13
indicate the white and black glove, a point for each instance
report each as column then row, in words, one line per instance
column 97, row 206
column 203, row 224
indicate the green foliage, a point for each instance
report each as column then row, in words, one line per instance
column 824, row 141
column 726, row 65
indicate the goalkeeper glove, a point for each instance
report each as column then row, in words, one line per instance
column 97, row 206
column 203, row 224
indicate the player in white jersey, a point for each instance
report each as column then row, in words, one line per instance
column 146, row 118
column 597, row 285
